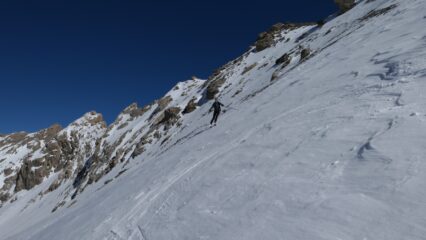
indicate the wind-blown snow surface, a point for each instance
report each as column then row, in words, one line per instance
column 333, row 149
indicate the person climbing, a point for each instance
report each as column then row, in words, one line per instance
column 217, row 108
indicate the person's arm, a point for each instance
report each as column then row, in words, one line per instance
column 221, row 104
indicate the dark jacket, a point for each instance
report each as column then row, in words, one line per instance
column 216, row 106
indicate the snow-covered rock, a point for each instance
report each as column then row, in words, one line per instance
column 50, row 154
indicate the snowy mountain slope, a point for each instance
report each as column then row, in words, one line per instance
column 28, row 160
column 327, row 143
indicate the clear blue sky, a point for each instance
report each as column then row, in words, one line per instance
column 60, row 59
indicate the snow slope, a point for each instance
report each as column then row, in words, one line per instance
column 332, row 148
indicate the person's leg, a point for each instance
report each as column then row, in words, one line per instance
column 216, row 116
column 211, row 122
column 214, row 119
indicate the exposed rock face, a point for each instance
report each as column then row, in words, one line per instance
column 95, row 118
column 4, row 197
column 304, row 54
column 8, row 183
column 264, row 41
column 267, row 39
column 162, row 104
column 134, row 111
column 140, row 147
column 216, row 81
column 285, row 60
column 52, row 150
column 345, row 5
column 49, row 132
column 249, row 68
column 213, row 88
column 274, row 76
column 169, row 117
column 14, row 138
column 191, row 106
column 27, row 178
column 8, row 171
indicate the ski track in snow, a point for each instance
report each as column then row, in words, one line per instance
column 152, row 196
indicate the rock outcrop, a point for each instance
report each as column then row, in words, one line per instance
column 285, row 60
column 213, row 88
column 268, row 39
column 264, row 41
column 304, row 54
column 191, row 106
column 28, row 178
column 345, row 5
column 170, row 117
column 35, row 157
